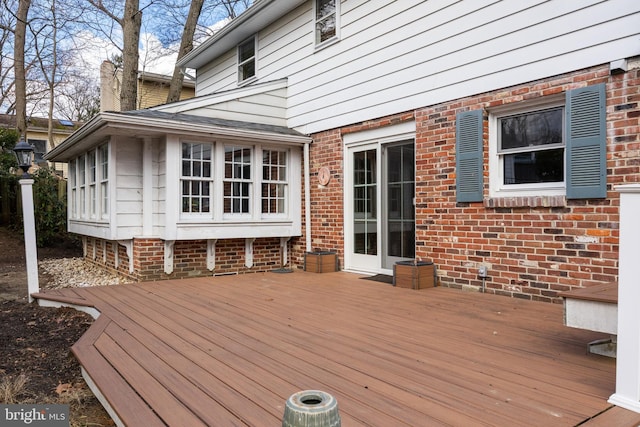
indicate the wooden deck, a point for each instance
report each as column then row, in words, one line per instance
column 229, row 350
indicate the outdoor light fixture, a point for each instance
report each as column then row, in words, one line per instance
column 24, row 155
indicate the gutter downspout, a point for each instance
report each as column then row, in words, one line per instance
column 307, row 196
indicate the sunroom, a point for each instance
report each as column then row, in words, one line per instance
column 145, row 178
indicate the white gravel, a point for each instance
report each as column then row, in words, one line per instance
column 76, row 272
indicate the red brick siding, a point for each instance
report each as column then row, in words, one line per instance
column 534, row 248
column 189, row 258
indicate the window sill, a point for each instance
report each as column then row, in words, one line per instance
column 329, row 42
column 526, row 202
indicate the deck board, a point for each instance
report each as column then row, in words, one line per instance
column 230, row 350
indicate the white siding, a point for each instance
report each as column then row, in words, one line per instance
column 398, row 56
column 160, row 189
column 218, row 75
column 266, row 104
column 128, row 187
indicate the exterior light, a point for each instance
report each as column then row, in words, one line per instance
column 24, row 155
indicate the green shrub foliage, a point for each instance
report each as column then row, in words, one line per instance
column 49, row 208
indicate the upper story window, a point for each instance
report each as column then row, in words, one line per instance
column 528, row 150
column 326, row 20
column 197, row 177
column 247, row 60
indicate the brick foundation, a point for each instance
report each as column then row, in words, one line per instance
column 189, row 258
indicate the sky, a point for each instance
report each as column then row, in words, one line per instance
column 154, row 57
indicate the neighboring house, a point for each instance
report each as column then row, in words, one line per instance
column 37, row 135
column 152, row 88
column 473, row 133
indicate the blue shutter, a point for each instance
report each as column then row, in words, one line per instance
column 469, row 160
column 586, row 143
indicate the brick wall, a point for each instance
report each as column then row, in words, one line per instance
column 189, row 258
column 534, row 247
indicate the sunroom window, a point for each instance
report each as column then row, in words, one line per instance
column 197, row 177
column 326, row 20
column 274, row 181
column 89, row 185
column 247, row 60
column 237, row 180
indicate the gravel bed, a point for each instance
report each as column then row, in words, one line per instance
column 76, row 272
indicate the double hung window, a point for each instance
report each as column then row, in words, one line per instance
column 89, row 185
column 197, row 177
column 531, row 147
column 237, row 180
column 326, row 20
column 274, row 181
column 247, row 60
column 551, row 146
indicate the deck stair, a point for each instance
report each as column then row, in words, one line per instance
column 594, row 308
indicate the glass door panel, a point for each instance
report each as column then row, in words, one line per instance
column 398, row 195
column 365, row 210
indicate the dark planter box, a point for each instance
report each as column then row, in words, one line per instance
column 414, row 275
column 321, row 262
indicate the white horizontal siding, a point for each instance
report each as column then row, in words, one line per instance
column 219, row 75
column 454, row 52
column 128, row 188
column 269, row 107
column 398, row 56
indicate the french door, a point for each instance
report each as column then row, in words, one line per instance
column 379, row 208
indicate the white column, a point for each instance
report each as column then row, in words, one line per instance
column 31, row 251
column 627, row 393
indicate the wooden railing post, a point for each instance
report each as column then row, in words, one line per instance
column 627, row 393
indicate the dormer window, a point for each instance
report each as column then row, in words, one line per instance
column 326, row 19
column 247, row 60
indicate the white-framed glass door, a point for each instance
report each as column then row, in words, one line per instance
column 379, row 205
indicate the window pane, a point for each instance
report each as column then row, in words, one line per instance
column 246, row 50
column 531, row 129
column 534, row 167
column 247, row 70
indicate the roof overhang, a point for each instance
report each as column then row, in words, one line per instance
column 252, row 20
column 142, row 124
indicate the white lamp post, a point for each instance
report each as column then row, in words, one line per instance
column 24, row 154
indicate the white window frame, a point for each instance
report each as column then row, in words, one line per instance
column 240, row 180
column 103, row 173
column 89, row 185
column 82, row 185
column 316, row 36
column 285, row 183
column 253, row 39
column 200, row 179
column 73, row 186
column 92, row 165
column 497, row 188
